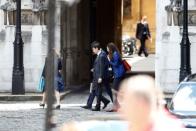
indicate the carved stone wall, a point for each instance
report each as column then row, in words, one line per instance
column 9, row 8
column 33, row 12
column 175, row 13
column 72, row 37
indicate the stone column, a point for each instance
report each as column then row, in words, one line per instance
column 11, row 17
column 5, row 17
column 75, row 40
column 42, row 18
column 14, row 17
column 64, row 36
column 36, row 18
column 58, row 24
column 69, row 37
column 45, row 17
column 84, row 47
column 71, row 46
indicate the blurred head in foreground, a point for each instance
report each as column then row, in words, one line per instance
column 141, row 106
column 138, row 97
column 69, row 127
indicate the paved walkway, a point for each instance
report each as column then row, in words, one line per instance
column 142, row 63
column 28, row 116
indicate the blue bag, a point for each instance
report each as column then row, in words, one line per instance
column 42, row 84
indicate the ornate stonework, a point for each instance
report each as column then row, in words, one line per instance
column 192, row 18
column 169, row 36
column 33, row 12
column 175, row 13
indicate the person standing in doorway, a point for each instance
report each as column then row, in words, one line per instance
column 143, row 33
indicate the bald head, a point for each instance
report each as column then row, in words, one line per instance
column 140, row 86
column 139, row 96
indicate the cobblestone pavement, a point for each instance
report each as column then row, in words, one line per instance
column 28, row 116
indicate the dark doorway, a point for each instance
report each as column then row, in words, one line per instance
column 93, row 20
column 105, row 22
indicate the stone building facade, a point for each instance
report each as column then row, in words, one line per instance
column 80, row 23
column 34, row 34
column 77, row 25
column 168, row 38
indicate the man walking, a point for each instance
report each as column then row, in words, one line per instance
column 100, row 75
column 143, row 33
column 105, row 83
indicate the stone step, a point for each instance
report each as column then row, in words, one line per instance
column 26, row 97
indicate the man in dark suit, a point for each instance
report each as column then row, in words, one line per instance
column 100, row 74
column 143, row 33
column 106, row 84
column 100, row 78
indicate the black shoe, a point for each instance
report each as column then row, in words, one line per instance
column 106, row 104
column 146, row 55
column 42, row 105
column 58, row 107
column 96, row 109
column 86, row 107
column 52, row 125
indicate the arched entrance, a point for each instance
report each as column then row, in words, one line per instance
column 100, row 20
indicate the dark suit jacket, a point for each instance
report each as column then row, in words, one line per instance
column 142, row 31
column 100, row 67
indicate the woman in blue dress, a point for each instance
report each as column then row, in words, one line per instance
column 115, row 60
column 59, row 83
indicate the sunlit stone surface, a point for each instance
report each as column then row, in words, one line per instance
column 168, row 38
column 35, row 46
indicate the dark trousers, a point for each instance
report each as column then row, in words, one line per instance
column 91, row 98
column 108, row 89
column 99, row 96
column 98, row 93
column 143, row 47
